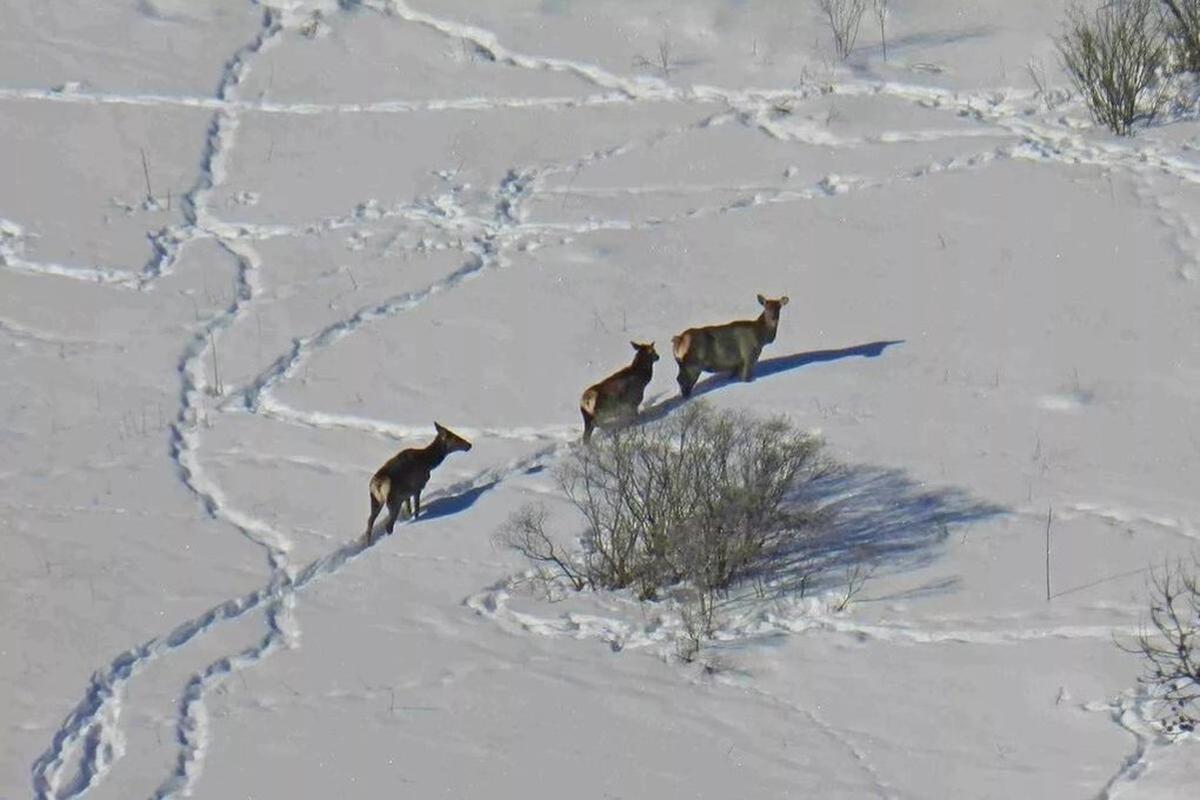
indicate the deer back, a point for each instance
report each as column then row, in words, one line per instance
column 720, row 347
column 625, row 387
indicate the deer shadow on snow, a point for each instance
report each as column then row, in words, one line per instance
column 765, row 368
column 459, row 497
column 445, row 504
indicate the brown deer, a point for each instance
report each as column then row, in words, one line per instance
column 399, row 482
column 733, row 347
column 615, row 400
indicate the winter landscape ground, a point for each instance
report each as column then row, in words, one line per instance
column 249, row 250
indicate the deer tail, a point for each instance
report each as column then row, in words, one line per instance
column 680, row 345
column 587, row 403
column 381, row 487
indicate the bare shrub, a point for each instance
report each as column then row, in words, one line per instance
column 857, row 575
column 525, row 532
column 880, row 9
column 663, row 60
column 1052, row 97
column 844, row 17
column 700, row 496
column 1171, row 651
column 1115, row 56
column 1181, row 20
column 697, row 616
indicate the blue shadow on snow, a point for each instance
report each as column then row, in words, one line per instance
column 874, row 516
column 773, row 366
column 766, row 368
column 444, row 506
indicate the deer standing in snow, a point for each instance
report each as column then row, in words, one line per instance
column 733, row 347
column 615, row 400
column 399, row 482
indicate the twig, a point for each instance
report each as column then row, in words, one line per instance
column 146, row 175
column 1049, row 519
column 216, row 374
column 881, row 15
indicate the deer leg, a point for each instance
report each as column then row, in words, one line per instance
column 687, row 379
column 416, row 504
column 589, row 423
column 746, row 372
column 375, row 508
column 395, row 506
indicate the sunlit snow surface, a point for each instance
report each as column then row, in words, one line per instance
column 248, row 250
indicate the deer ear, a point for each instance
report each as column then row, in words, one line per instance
column 783, row 301
column 762, row 301
column 634, row 345
column 438, row 427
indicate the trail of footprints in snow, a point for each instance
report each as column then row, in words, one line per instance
column 1000, row 109
column 282, row 628
column 95, row 718
column 807, row 615
column 91, row 731
column 92, row 728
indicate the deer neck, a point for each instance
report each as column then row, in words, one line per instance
column 766, row 327
column 434, row 453
column 642, row 364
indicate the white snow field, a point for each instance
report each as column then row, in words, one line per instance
column 249, row 250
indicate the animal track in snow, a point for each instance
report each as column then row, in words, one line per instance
column 90, row 735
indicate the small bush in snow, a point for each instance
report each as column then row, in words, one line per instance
column 700, row 496
column 844, row 18
column 1171, row 651
column 1181, row 19
column 880, row 8
column 1116, row 56
column 525, row 532
column 697, row 623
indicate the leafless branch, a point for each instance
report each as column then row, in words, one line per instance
column 1170, row 647
column 844, row 17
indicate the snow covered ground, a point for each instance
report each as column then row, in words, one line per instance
column 249, row 250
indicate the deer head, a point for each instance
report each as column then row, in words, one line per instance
column 451, row 440
column 771, row 308
column 645, row 352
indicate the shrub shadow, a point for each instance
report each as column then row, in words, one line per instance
column 876, row 517
column 919, row 41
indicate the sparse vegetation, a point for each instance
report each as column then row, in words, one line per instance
column 663, row 61
column 313, row 26
column 857, row 575
column 1171, row 650
column 844, row 17
column 701, row 497
column 146, row 175
column 216, row 388
column 880, row 9
column 1181, row 20
column 697, row 617
column 1051, row 97
column 525, row 532
column 1116, row 56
